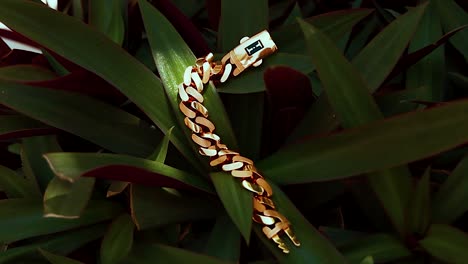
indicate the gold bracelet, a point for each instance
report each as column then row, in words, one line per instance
column 250, row 52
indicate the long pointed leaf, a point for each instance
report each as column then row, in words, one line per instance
column 86, row 47
column 70, row 166
column 446, row 243
column 23, row 218
column 118, row 130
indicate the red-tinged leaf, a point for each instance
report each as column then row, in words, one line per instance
column 286, row 107
column 184, row 26
column 135, row 175
column 12, row 35
column 17, row 57
column 71, row 166
column 84, row 82
column 16, row 126
column 4, row 48
column 25, row 73
column 412, row 58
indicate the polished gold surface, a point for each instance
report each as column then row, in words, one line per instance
column 250, row 52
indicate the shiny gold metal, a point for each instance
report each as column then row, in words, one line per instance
column 250, row 52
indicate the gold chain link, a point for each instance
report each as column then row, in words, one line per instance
column 250, row 52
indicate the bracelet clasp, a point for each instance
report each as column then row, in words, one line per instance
column 251, row 51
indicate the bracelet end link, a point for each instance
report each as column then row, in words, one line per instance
column 251, row 51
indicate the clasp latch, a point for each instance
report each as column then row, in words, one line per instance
column 250, row 52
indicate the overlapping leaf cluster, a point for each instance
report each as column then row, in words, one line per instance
column 358, row 122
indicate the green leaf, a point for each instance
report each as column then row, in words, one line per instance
column 295, row 13
column 57, row 259
column 107, row 17
column 224, row 241
column 419, row 214
column 77, row 6
column 359, row 41
column 429, row 72
column 165, row 254
column 355, row 151
column 232, row 29
column 32, row 150
column 118, row 241
column 451, row 201
column 453, row 16
column 15, row 186
column 314, row 248
column 118, row 131
column 446, row 243
column 246, row 115
column 58, row 68
column 403, row 101
column 367, row 260
column 70, row 38
column 62, row 243
column 172, row 56
column 25, row 73
column 24, row 218
column 160, row 153
column 350, row 99
column 382, row 247
column 374, row 63
column 236, row 200
column 348, row 95
column 117, row 187
column 336, row 24
column 459, row 79
column 379, row 57
column 65, row 199
column 340, row 237
column 154, row 207
column 70, row 166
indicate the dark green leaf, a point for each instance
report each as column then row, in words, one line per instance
column 382, row 247
column 172, row 56
column 154, row 207
column 451, row 201
column 90, row 49
column 379, row 57
column 62, row 243
column 66, row 199
column 341, row 237
column 15, row 186
column 401, row 140
column 118, row 241
column 232, row 29
column 169, row 255
column 236, row 200
column 399, row 102
column 57, row 259
column 453, row 16
column 367, row 260
column 34, row 163
column 350, row 99
column 446, row 243
column 160, row 153
column 17, row 125
column 419, row 214
column 314, row 247
column 107, row 17
column 224, row 241
column 26, row 73
column 70, row 166
column 336, row 24
column 118, row 130
column 58, row 68
column 23, row 218
column 374, row 63
column 348, row 95
column 429, row 71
